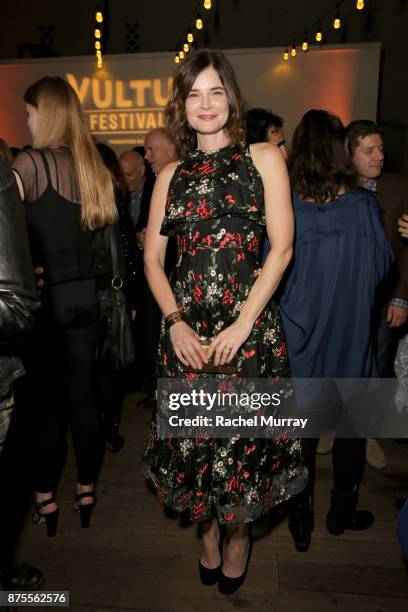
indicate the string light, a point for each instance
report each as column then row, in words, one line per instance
column 181, row 55
column 337, row 20
column 305, row 44
column 360, row 4
column 319, row 34
column 190, row 37
column 207, row 4
column 177, row 59
column 286, row 55
column 98, row 36
column 293, row 51
column 186, row 48
column 199, row 23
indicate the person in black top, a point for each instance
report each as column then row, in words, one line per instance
column 69, row 201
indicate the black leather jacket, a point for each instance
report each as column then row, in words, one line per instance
column 18, row 295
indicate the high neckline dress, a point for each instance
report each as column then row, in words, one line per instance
column 215, row 208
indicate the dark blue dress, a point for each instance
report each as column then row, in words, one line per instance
column 341, row 255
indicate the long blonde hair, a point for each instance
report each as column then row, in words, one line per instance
column 61, row 123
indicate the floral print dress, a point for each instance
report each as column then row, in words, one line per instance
column 215, row 209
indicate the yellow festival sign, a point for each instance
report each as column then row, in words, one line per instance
column 119, row 111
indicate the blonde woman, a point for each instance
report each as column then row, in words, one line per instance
column 68, row 196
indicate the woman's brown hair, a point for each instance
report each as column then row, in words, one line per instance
column 319, row 165
column 178, row 129
column 61, row 123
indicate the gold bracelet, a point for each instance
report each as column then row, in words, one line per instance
column 173, row 317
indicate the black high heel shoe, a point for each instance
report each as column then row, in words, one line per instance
column 301, row 525
column 226, row 585
column 85, row 510
column 51, row 519
column 208, row 576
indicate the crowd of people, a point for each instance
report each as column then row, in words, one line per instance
column 235, row 250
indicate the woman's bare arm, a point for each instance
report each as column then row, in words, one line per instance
column 184, row 340
column 280, row 228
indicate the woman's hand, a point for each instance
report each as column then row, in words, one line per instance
column 403, row 226
column 225, row 345
column 187, row 346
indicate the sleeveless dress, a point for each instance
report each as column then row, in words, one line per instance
column 215, row 209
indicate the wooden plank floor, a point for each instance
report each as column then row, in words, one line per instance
column 135, row 558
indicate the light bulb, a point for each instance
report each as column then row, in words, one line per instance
column 305, row 46
column 319, row 35
column 337, row 23
column 97, row 44
column 97, row 33
column 99, row 54
column 99, row 17
column 177, row 59
column 360, row 4
column 199, row 23
column 207, row 4
column 286, row 55
column 190, row 37
column 186, row 48
column 293, row 51
column 181, row 55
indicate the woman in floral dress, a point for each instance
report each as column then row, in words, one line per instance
column 217, row 201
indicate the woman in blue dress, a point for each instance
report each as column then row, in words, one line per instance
column 341, row 254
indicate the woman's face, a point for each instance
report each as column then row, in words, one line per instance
column 32, row 119
column 207, row 107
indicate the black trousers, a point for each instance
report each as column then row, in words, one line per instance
column 348, row 463
column 61, row 375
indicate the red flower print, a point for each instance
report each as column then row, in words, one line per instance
column 240, row 256
column 253, row 244
column 191, row 375
column 198, row 509
column 180, row 477
column 245, row 474
column 236, row 156
column 250, row 353
column 197, row 294
column 229, row 516
column 161, row 494
column 232, row 484
column 204, row 468
column 204, row 325
column 165, row 359
column 230, row 199
column 251, row 449
column 207, row 168
column 253, row 208
column 202, row 210
column 281, row 350
column 227, row 297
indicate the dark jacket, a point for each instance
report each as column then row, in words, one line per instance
column 18, row 296
column 392, row 196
